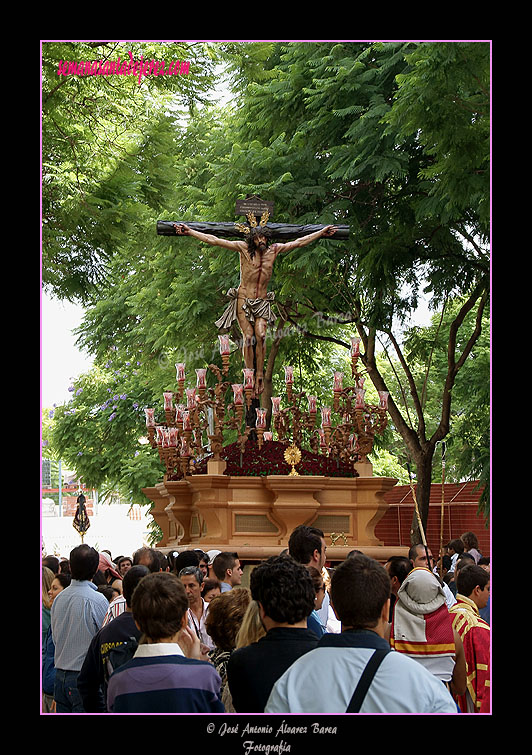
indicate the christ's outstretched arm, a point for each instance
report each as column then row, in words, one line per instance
column 207, row 238
column 328, row 230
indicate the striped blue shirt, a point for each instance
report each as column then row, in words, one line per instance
column 160, row 679
column 77, row 614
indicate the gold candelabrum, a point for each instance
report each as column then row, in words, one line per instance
column 192, row 413
column 350, row 438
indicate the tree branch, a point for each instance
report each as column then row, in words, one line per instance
column 480, row 292
column 316, row 336
column 424, row 390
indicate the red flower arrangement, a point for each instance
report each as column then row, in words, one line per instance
column 269, row 460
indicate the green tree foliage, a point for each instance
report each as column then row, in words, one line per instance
column 101, row 431
column 468, row 442
column 443, row 100
column 97, row 133
column 390, row 138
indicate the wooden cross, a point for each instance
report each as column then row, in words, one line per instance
column 256, row 206
column 279, row 231
column 258, row 213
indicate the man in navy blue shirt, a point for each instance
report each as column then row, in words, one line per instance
column 286, row 596
column 113, row 645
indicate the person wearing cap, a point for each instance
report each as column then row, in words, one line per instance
column 107, row 567
column 422, row 629
column 212, row 555
column 420, row 555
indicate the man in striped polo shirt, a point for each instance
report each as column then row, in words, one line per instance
column 166, row 674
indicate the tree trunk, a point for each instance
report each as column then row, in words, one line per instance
column 422, row 485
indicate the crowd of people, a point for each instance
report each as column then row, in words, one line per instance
column 179, row 633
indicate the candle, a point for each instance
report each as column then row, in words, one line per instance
column 184, row 447
column 355, row 346
column 224, row 344
column 312, row 404
column 159, row 431
column 261, row 417
column 180, row 371
column 325, row 416
column 173, row 436
column 180, row 408
column 268, row 435
column 186, row 420
column 150, row 418
column 338, row 377
column 288, row 375
column 168, row 397
column 248, row 377
column 383, row 396
column 238, row 393
column 191, row 398
column 323, row 440
column 166, row 439
column 359, row 401
column 200, row 382
column 276, row 402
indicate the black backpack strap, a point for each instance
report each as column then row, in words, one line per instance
column 116, row 656
column 365, row 680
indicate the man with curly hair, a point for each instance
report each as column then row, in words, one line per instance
column 286, row 596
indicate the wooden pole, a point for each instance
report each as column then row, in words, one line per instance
column 443, row 449
column 418, row 515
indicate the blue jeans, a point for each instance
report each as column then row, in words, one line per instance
column 66, row 695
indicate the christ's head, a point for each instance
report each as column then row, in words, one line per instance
column 258, row 240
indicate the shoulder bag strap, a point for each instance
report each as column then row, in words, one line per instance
column 365, row 680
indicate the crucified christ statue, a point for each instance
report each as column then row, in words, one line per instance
column 251, row 301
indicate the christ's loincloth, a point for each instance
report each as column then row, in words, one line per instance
column 253, row 309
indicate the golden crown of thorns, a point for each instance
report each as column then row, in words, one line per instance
column 252, row 222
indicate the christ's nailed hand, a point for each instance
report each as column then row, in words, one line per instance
column 181, row 229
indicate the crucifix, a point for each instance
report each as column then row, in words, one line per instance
column 250, row 303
